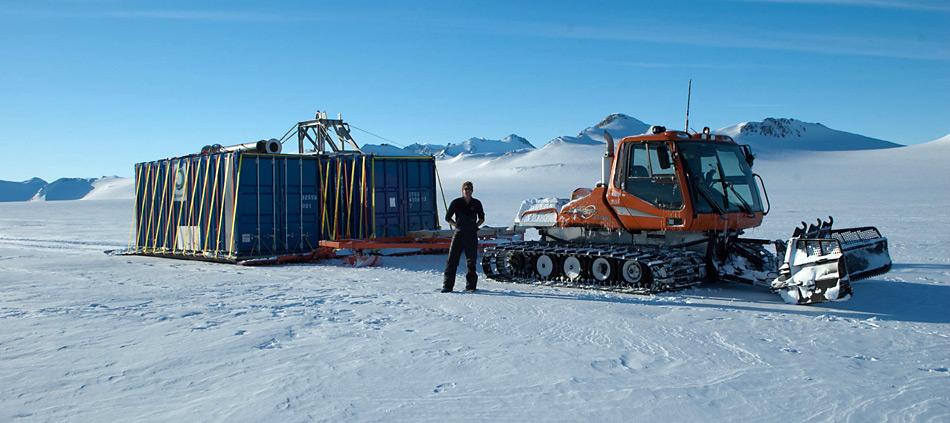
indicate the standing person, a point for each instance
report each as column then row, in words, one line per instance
column 468, row 216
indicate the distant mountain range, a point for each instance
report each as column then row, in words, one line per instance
column 472, row 146
column 62, row 189
column 769, row 136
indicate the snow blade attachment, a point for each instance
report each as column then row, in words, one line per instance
column 821, row 262
column 813, row 272
column 865, row 251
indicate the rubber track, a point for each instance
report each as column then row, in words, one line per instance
column 664, row 269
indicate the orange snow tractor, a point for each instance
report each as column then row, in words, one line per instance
column 669, row 214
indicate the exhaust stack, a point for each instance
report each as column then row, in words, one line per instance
column 608, row 159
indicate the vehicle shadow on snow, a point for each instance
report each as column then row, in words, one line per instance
column 920, row 266
column 883, row 299
column 874, row 298
column 560, row 293
column 880, row 298
column 903, row 301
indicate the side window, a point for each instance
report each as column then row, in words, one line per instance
column 649, row 181
column 639, row 166
column 621, row 166
column 656, row 169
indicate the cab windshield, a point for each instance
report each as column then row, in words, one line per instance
column 720, row 178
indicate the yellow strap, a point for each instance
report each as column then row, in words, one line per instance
column 201, row 206
column 137, row 225
column 151, row 205
column 232, row 248
column 336, row 208
column 362, row 196
column 344, row 214
column 373, row 166
column 214, row 192
column 171, row 206
column 191, row 205
column 224, row 188
column 323, row 196
column 353, row 186
column 181, row 208
column 349, row 200
column 161, row 207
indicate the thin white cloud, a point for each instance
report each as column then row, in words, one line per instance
column 181, row 15
column 735, row 37
column 197, row 15
column 920, row 5
column 712, row 36
column 688, row 65
column 754, row 105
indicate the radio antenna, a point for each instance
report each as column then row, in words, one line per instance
column 689, row 93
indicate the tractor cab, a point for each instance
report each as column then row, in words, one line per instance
column 684, row 179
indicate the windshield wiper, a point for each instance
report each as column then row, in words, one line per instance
column 743, row 205
column 704, row 191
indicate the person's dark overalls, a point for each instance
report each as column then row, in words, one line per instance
column 468, row 216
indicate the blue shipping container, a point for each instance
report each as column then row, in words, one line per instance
column 238, row 205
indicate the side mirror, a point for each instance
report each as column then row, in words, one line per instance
column 663, row 155
column 749, row 157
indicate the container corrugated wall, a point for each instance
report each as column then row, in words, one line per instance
column 232, row 206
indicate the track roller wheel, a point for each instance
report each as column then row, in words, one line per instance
column 601, row 269
column 544, row 266
column 517, row 263
column 572, row 268
column 632, row 273
column 496, row 264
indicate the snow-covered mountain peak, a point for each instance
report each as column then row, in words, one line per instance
column 793, row 134
column 515, row 139
column 780, row 128
column 617, row 120
column 618, row 125
column 487, row 147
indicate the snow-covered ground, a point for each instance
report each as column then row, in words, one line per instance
column 91, row 337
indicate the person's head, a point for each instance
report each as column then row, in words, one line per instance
column 467, row 189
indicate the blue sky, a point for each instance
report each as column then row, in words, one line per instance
column 90, row 87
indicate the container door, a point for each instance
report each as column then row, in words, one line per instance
column 389, row 215
column 298, row 217
column 421, row 211
column 256, row 229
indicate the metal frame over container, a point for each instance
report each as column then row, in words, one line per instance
column 236, row 205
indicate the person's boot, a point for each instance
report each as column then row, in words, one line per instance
column 470, row 284
column 448, row 282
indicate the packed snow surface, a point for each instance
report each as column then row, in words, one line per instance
column 91, row 337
